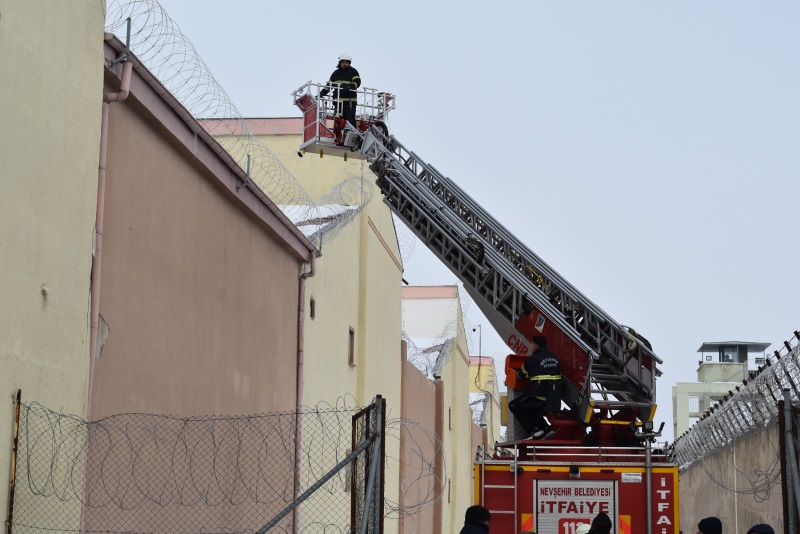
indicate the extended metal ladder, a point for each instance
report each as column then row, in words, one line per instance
column 613, row 367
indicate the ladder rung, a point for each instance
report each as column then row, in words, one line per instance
column 598, row 377
column 606, row 404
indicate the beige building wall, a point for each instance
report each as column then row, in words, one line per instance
column 356, row 287
column 422, row 306
column 722, row 485
column 417, row 488
column 457, row 437
column 51, row 81
column 352, row 344
column 690, row 400
column 483, row 380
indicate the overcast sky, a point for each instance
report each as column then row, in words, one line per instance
column 648, row 151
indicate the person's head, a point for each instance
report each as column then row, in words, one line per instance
column 344, row 60
column 476, row 514
column 583, row 528
column 709, row 525
column 761, row 528
column 539, row 341
column 601, row 524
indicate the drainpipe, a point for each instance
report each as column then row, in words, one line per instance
column 299, row 387
column 123, row 93
column 440, row 484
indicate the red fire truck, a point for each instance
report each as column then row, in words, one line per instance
column 553, row 488
column 601, row 456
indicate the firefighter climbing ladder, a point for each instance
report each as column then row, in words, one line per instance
column 615, row 369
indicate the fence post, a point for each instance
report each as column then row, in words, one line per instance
column 791, row 475
column 318, row 484
column 374, row 475
column 13, row 482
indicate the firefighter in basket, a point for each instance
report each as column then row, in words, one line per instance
column 345, row 94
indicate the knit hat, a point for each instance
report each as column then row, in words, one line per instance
column 710, row 525
column 540, row 340
column 601, row 524
column 761, row 528
column 476, row 514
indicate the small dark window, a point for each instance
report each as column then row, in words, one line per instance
column 351, row 348
column 312, row 308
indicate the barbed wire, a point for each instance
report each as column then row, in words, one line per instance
column 157, row 41
column 422, row 447
column 177, row 470
column 749, row 408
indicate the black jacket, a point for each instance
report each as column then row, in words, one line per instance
column 541, row 362
column 350, row 81
column 475, row 528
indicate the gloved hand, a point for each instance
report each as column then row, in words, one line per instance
column 521, row 375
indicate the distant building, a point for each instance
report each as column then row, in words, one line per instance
column 484, row 397
column 722, row 366
column 437, row 346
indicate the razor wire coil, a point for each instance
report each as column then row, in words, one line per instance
column 751, row 407
column 157, row 473
column 157, row 41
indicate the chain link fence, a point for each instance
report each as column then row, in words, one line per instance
column 143, row 473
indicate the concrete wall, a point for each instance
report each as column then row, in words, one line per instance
column 457, row 435
column 721, row 372
column 51, row 81
column 722, row 485
column 200, row 298
column 419, row 394
column 357, row 286
column 435, row 313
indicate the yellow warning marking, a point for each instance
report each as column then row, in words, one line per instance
column 624, row 522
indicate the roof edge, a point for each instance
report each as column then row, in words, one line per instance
column 152, row 94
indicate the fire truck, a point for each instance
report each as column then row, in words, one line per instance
column 549, row 487
column 601, row 457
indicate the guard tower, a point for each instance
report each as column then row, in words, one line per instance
column 722, row 366
column 731, row 351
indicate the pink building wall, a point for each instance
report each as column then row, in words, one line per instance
column 199, row 288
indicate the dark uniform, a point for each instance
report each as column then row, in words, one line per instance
column 350, row 81
column 476, row 520
column 543, row 395
column 475, row 528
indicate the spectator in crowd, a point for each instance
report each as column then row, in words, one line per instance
column 709, row 525
column 761, row 528
column 476, row 520
column 601, row 524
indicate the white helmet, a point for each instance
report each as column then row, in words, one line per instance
column 583, row 528
column 344, row 56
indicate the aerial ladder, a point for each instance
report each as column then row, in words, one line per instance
column 609, row 370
